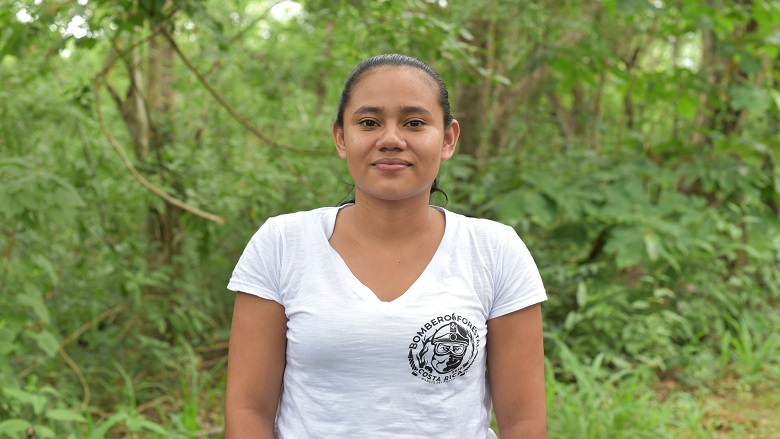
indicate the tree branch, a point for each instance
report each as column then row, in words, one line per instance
column 253, row 129
column 224, row 103
column 566, row 121
column 101, row 75
column 241, row 34
column 77, row 371
column 143, row 181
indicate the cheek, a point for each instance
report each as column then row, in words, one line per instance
column 434, row 157
column 353, row 143
column 434, row 146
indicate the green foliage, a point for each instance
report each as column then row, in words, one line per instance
column 620, row 405
column 652, row 264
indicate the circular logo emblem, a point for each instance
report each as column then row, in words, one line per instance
column 443, row 349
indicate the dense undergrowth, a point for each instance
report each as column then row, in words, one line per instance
column 659, row 271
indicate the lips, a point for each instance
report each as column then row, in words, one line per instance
column 391, row 164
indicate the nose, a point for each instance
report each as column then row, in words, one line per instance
column 391, row 138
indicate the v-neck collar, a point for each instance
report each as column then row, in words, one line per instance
column 433, row 267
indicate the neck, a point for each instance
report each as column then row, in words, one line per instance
column 387, row 221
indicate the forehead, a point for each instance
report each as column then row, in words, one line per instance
column 388, row 85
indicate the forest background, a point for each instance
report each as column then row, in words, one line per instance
column 633, row 144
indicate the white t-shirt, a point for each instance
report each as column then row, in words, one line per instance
column 358, row 367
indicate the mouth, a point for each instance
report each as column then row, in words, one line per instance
column 391, row 164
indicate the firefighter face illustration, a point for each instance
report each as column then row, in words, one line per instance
column 444, row 348
column 449, row 347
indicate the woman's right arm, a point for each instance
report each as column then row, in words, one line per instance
column 256, row 362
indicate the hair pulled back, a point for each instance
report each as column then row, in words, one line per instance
column 393, row 60
column 397, row 60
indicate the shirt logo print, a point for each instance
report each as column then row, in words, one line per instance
column 443, row 349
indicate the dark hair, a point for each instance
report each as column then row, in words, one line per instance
column 393, row 60
column 396, row 60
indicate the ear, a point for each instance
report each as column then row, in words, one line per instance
column 450, row 140
column 338, row 139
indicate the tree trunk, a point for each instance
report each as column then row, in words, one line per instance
column 565, row 117
column 135, row 110
column 594, row 112
column 473, row 99
column 733, row 119
column 132, row 106
column 323, row 72
column 159, row 88
column 164, row 227
column 675, row 64
column 703, row 121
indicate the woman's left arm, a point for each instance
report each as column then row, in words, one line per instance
column 515, row 350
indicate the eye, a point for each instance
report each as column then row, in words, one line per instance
column 368, row 123
column 415, row 123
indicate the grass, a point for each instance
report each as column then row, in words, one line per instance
column 585, row 400
column 745, row 416
column 590, row 400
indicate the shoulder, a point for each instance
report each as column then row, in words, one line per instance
column 293, row 229
column 490, row 240
column 297, row 220
column 302, row 216
column 482, row 228
column 501, row 263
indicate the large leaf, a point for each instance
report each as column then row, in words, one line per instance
column 12, row 427
column 47, row 342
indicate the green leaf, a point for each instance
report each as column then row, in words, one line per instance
column 571, row 320
column 100, row 432
column 522, row 204
column 503, row 80
column 24, row 397
column 47, row 342
column 755, row 99
column 640, row 304
column 686, row 106
column 11, row 427
column 7, row 338
column 653, row 245
column 86, row 43
column 67, row 196
column 65, row 415
column 465, row 34
column 776, row 97
column 773, row 39
column 31, row 297
column 749, row 64
column 627, row 244
column 582, row 294
column 631, row 7
column 139, row 423
column 663, row 292
column 44, row 432
column 47, row 267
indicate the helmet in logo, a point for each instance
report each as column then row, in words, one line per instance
column 449, row 346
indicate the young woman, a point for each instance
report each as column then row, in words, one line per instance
column 387, row 317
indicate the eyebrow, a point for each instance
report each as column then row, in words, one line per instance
column 406, row 109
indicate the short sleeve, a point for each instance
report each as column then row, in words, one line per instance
column 517, row 283
column 257, row 271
